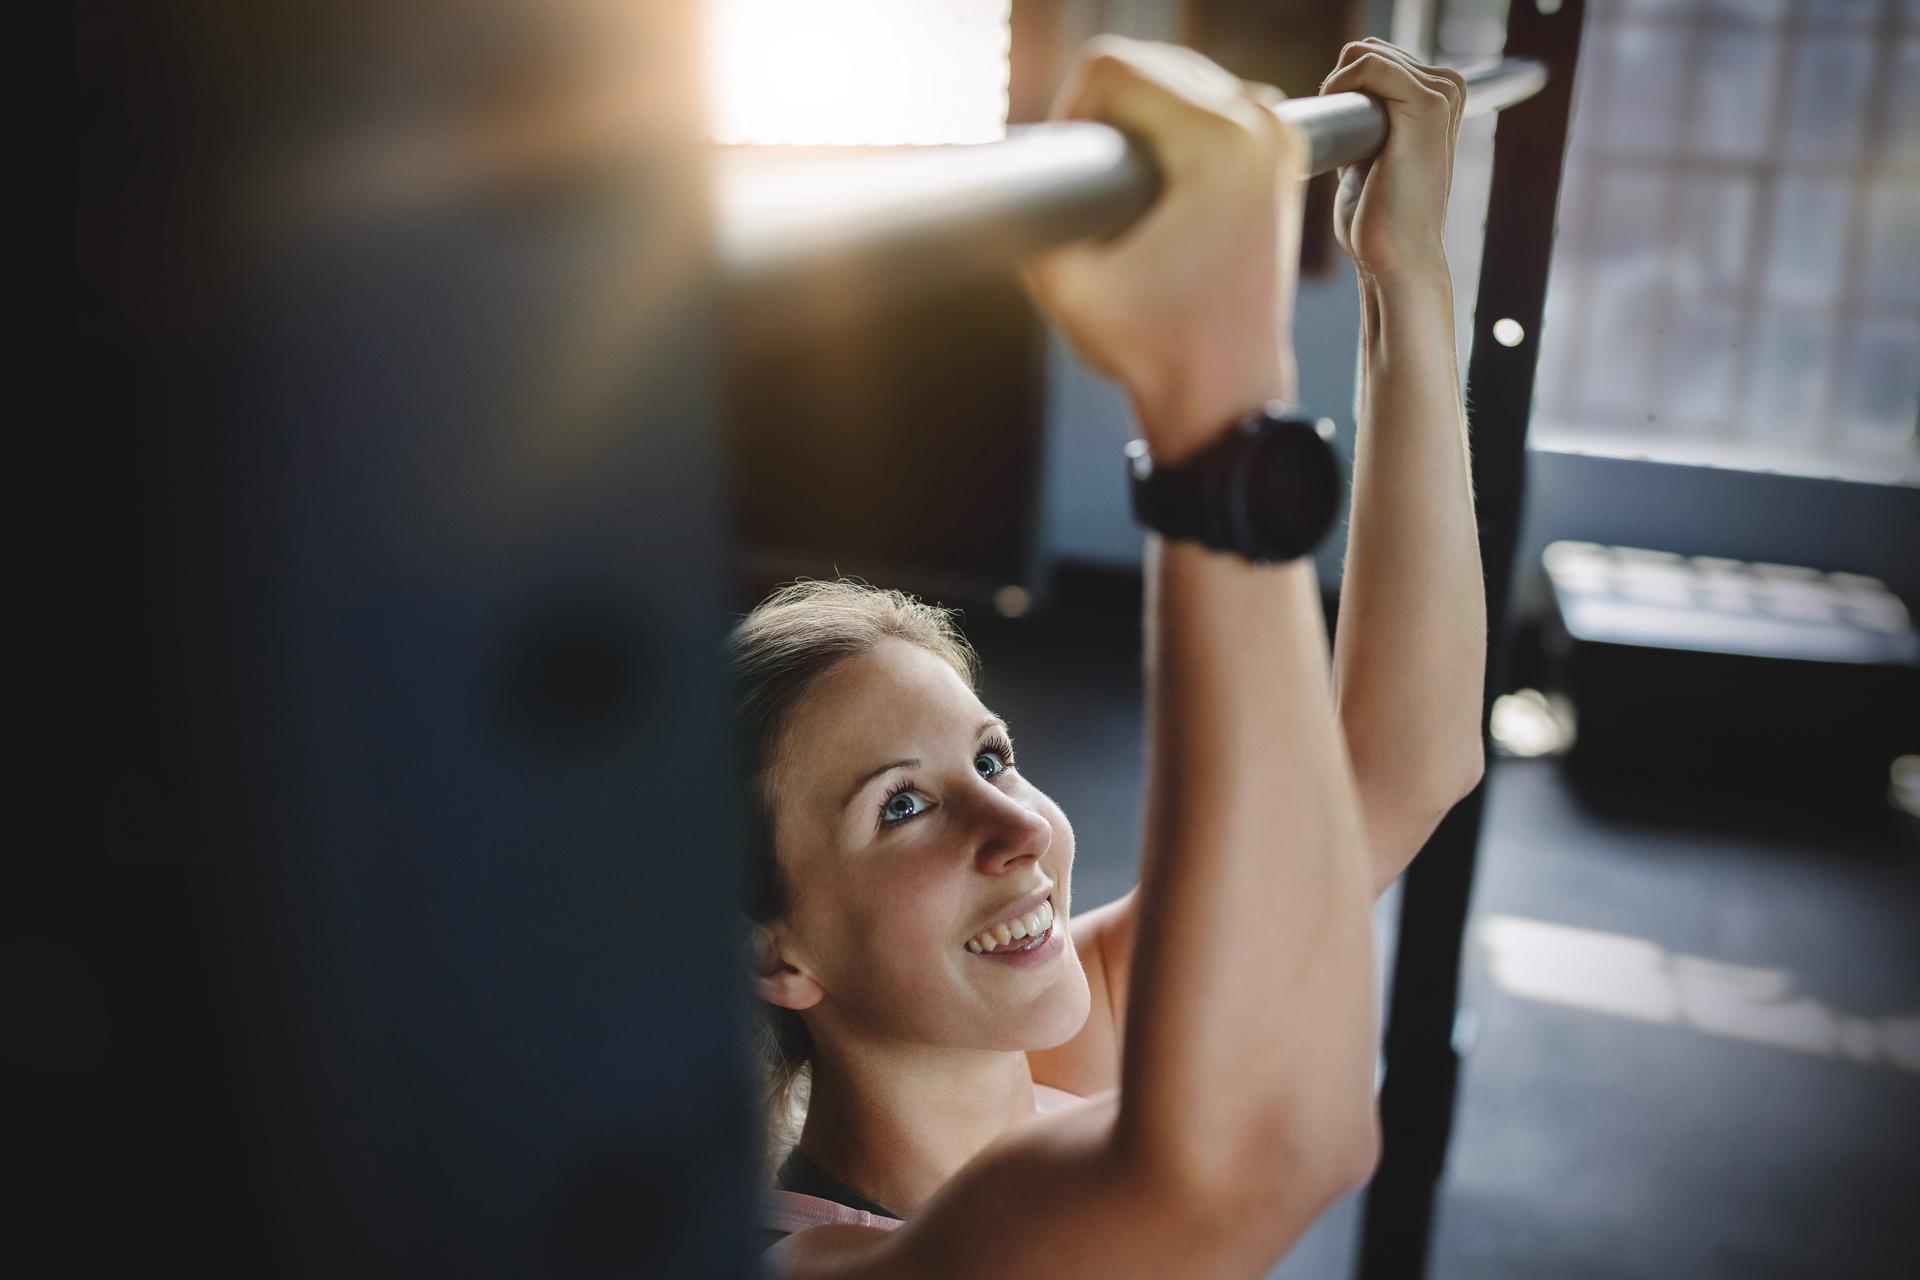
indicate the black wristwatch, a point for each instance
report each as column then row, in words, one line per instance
column 1269, row 489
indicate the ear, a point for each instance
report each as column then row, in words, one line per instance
column 775, row 978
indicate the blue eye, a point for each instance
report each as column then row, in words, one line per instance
column 902, row 802
column 998, row 750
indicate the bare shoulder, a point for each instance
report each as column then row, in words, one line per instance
column 947, row 1237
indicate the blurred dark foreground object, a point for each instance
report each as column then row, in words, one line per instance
column 1775, row 685
column 409, row 834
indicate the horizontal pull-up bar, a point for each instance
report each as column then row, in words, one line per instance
column 952, row 211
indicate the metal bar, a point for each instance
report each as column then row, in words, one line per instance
column 950, row 212
column 1422, row 1056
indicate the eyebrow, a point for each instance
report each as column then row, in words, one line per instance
column 911, row 762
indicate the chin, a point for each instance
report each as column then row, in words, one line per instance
column 1063, row 1010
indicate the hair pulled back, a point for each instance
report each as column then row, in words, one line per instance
column 776, row 655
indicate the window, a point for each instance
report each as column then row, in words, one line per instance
column 1736, row 279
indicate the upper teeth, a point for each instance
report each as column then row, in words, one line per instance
column 1031, row 925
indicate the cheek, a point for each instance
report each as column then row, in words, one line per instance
column 899, row 924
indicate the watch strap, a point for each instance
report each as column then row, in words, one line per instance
column 1267, row 488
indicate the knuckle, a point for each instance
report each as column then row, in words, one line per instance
column 1106, row 55
column 1230, row 129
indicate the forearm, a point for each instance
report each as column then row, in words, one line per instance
column 1251, row 1029
column 1410, row 655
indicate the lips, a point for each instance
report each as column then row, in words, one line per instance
column 1013, row 935
column 1013, row 910
column 1027, row 953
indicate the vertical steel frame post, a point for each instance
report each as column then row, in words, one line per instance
column 1422, row 1058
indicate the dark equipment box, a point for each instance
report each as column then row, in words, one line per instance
column 1774, row 684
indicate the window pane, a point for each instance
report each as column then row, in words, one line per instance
column 1789, row 371
column 1625, row 284
column 1806, row 253
column 1765, row 10
column 1623, row 312
column 1901, row 133
column 1839, row 13
column 1879, row 392
column 1713, row 256
column 1890, row 259
column 1827, row 97
column 1734, row 94
column 1698, row 363
column 1642, row 89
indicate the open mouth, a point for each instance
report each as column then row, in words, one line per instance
column 1021, row 934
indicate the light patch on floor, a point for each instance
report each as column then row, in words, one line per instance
column 1629, row 977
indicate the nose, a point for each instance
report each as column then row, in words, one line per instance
column 1012, row 831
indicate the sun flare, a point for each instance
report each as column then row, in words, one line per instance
column 848, row 72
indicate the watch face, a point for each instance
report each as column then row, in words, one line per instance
column 1291, row 487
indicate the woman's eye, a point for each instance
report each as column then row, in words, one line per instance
column 994, row 764
column 900, row 805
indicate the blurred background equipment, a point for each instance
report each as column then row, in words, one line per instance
column 1766, row 680
column 408, row 951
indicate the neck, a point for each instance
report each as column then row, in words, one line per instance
column 895, row 1124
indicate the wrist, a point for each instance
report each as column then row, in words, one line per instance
column 1416, row 284
column 1185, row 415
column 1405, row 312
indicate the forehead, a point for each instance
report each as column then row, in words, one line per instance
column 871, row 708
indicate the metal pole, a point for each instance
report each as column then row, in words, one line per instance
column 1422, row 1058
column 906, row 217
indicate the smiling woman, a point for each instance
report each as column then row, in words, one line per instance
column 900, row 863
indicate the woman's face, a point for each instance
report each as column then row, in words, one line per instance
column 904, row 829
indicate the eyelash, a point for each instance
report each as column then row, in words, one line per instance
column 996, row 746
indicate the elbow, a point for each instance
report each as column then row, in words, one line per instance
column 1451, row 780
column 1360, row 1159
column 1317, row 1164
column 1472, row 765
column 1400, row 820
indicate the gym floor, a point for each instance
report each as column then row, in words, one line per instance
column 1695, row 1033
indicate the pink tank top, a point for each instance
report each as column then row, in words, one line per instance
column 786, row 1212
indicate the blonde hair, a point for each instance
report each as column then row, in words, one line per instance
column 776, row 655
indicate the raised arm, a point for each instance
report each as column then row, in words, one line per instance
column 1247, row 1105
column 1410, row 655
column 1250, row 1041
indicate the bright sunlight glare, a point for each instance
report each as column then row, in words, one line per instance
column 849, row 72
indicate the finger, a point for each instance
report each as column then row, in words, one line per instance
column 1390, row 81
column 1449, row 83
column 1186, row 109
column 1444, row 79
column 1170, row 68
column 1348, row 52
column 1208, row 76
column 1266, row 95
